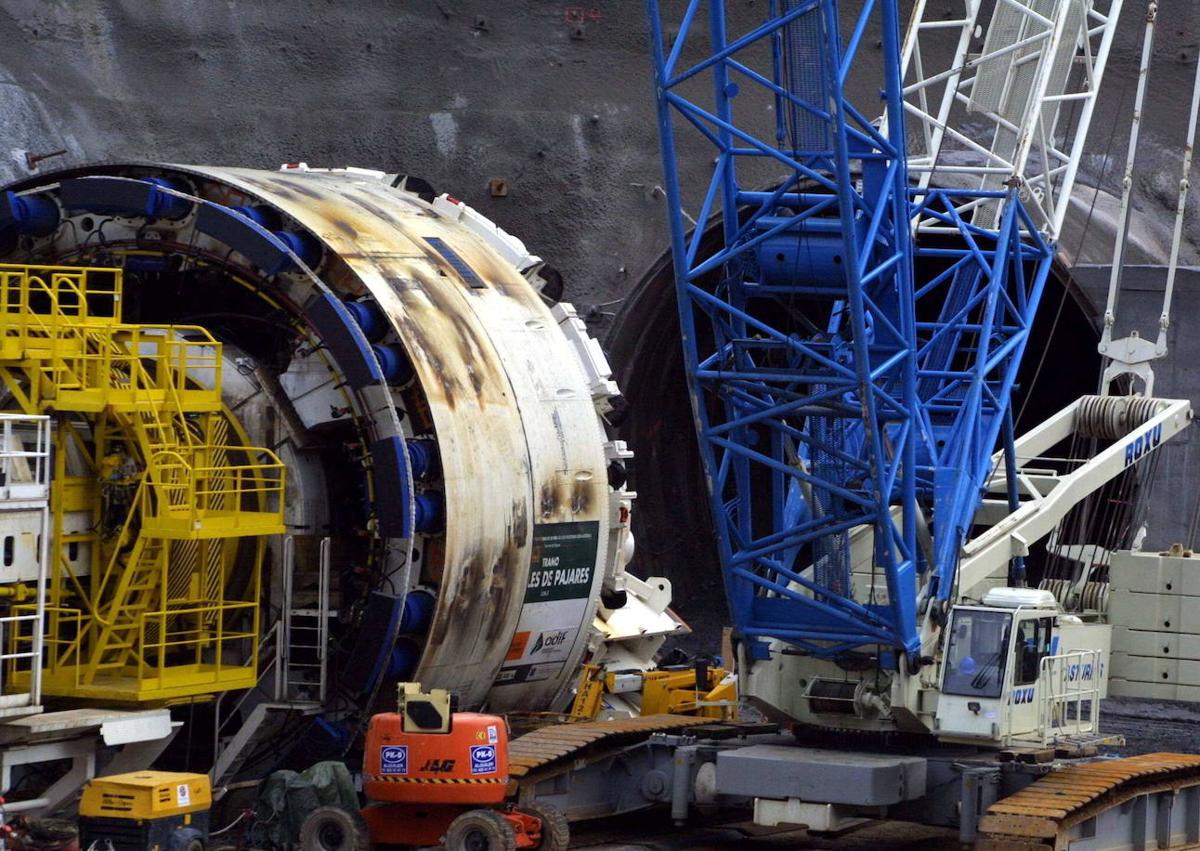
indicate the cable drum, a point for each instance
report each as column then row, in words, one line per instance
column 833, row 697
column 1111, row 417
column 1058, row 587
column 1093, row 597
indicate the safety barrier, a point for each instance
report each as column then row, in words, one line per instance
column 1069, row 695
column 201, row 500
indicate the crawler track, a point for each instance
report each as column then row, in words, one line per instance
column 1144, row 801
column 541, row 749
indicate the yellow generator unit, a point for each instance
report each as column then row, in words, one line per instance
column 146, row 811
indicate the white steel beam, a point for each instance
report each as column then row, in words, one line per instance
column 1038, row 516
column 986, row 120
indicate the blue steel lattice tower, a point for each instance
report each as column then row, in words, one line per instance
column 844, row 373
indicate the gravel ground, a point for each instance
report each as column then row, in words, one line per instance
column 1152, row 725
column 655, row 833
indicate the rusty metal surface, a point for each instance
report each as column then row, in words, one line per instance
column 1040, row 814
column 518, row 435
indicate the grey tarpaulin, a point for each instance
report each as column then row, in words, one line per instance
column 286, row 797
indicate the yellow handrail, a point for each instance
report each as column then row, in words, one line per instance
column 174, row 638
column 194, row 490
column 114, row 559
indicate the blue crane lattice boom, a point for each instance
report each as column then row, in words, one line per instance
column 843, row 374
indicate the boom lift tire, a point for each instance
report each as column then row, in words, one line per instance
column 556, row 833
column 334, row 829
column 480, row 830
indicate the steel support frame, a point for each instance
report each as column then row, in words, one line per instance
column 986, row 298
column 906, row 409
column 1046, row 499
column 1045, row 157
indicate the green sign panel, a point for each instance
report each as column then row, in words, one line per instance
column 562, row 561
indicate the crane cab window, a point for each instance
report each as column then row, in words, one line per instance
column 976, row 655
column 1031, row 646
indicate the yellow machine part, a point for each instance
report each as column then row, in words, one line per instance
column 435, row 700
column 146, row 795
column 170, row 498
column 662, row 693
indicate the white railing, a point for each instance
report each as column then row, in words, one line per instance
column 24, row 457
column 24, row 492
column 1069, row 695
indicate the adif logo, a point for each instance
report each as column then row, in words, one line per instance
column 1143, row 444
column 548, row 640
column 1023, row 695
column 483, row 759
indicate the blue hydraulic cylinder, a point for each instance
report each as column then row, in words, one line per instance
column 422, row 457
column 164, row 205
column 370, row 318
column 430, row 509
column 30, row 215
column 302, row 245
column 403, row 662
column 394, row 361
column 418, row 611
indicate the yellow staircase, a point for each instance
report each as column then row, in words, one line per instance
column 152, row 621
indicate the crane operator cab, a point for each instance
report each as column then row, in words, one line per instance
column 1016, row 669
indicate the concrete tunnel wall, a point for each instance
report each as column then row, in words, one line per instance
column 552, row 97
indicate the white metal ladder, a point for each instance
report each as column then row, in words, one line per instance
column 24, row 536
column 304, row 646
column 296, row 646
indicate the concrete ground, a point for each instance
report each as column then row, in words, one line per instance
column 656, row 833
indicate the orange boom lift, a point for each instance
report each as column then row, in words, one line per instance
column 432, row 775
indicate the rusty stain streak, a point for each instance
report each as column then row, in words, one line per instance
column 345, row 227
column 581, row 497
column 518, row 532
column 372, row 208
column 300, row 188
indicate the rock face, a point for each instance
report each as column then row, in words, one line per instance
column 553, row 98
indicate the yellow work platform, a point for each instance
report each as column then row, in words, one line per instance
column 154, row 620
column 214, row 524
column 183, row 681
